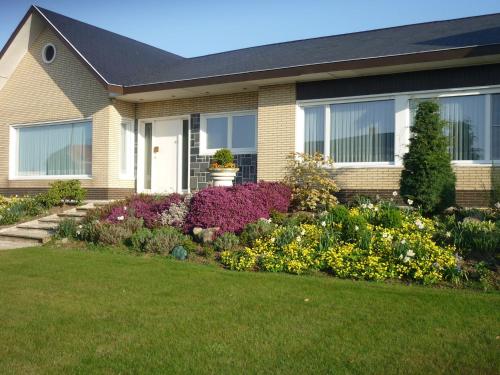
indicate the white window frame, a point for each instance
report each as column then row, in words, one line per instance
column 203, row 133
column 130, row 140
column 327, row 103
column 402, row 121
column 14, row 151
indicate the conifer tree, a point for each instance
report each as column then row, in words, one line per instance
column 428, row 178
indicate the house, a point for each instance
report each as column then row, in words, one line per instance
column 77, row 101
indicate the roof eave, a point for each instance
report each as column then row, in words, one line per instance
column 412, row 58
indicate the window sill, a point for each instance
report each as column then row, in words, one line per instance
column 211, row 152
column 63, row 177
column 364, row 165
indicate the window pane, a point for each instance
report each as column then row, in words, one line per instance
column 363, row 132
column 148, row 149
column 495, row 127
column 314, row 130
column 243, row 131
column 127, row 148
column 465, row 117
column 216, row 132
column 64, row 149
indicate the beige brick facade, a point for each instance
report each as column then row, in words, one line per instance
column 63, row 90
column 205, row 104
column 276, row 130
column 67, row 90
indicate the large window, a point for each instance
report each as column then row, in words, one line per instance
column 63, row 149
column 495, row 127
column 127, row 149
column 466, row 120
column 358, row 132
column 236, row 131
column 362, row 132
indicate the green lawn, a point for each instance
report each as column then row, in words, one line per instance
column 68, row 311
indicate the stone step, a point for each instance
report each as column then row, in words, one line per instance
column 29, row 235
column 39, row 225
column 9, row 244
column 73, row 214
column 57, row 219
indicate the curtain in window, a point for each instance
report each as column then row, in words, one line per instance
column 55, row 150
column 363, row 131
column 314, row 130
column 127, row 149
column 466, row 117
column 495, row 127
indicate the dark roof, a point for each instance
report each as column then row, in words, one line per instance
column 125, row 62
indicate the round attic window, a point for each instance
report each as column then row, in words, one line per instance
column 49, row 53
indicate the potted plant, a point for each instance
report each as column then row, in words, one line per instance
column 223, row 170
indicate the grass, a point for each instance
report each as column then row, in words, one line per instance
column 82, row 312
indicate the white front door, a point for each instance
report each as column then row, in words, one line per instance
column 161, row 161
column 166, row 170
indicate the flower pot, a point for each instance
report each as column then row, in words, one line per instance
column 223, row 176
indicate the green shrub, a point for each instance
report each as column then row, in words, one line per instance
column 163, row 241
column 313, row 188
column 477, row 238
column 139, row 239
column 355, row 229
column 89, row 231
column 67, row 228
column 388, row 216
column 428, row 177
column 223, row 158
column 133, row 224
column 259, row 229
column 486, row 276
column 65, row 191
column 226, row 242
column 112, row 234
column 336, row 215
column 9, row 216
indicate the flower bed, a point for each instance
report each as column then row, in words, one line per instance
column 16, row 209
column 374, row 243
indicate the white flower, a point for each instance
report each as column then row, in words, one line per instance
column 120, row 218
column 80, row 226
column 385, row 235
column 124, row 208
column 299, row 238
column 273, row 239
column 410, row 202
column 356, row 228
column 375, row 209
column 78, row 232
column 497, row 205
column 400, row 256
column 302, row 232
column 323, row 224
column 406, row 259
column 410, row 253
column 448, row 234
column 419, row 224
column 394, row 193
column 364, row 205
column 370, row 206
column 403, row 241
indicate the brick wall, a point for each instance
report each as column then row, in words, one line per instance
column 276, row 130
column 63, row 90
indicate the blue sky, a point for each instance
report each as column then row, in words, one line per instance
column 197, row 27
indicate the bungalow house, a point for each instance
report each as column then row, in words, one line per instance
column 77, row 101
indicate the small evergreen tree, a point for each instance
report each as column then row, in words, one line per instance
column 428, row 178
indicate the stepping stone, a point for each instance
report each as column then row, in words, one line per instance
column 35, row 236
column 39, row 225
column 73, row 214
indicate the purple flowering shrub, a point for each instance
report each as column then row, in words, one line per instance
column 147, row 207
column 232, row 208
